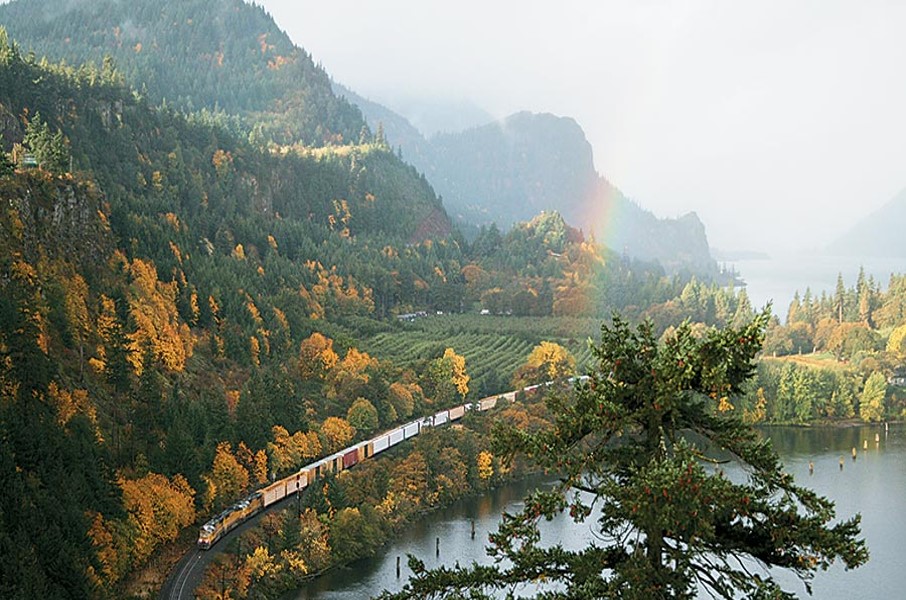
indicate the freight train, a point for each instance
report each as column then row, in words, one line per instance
column 346, row 458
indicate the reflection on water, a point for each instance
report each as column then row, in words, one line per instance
column 874, row 484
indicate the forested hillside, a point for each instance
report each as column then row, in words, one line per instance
column 187, row 310
column 196, row 54
column 180, row 306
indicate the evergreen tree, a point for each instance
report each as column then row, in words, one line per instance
column 6, row 165
column 635, row 440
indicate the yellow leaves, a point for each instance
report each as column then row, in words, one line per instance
column 261, row 564
column 177, row 254
column 723, row 405
column 459, row 376
column 294, row 562
column 485, row 463
column 254, row 350
column 239, row 252
column 172, row 220
column 152, row 306
column 896, row 344
column 272, row 242
column 226, row 480
column 554, row 360
column 222, row 161
column 291, row 451
column 158, row 508
column 316, row 356
column 69, row 404
column 105, row 549
column 253, row 462
column 337, row 433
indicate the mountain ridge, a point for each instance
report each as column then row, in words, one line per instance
column 532, row 162
column 879, row 234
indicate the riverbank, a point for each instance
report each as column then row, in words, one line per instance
column 872, row 485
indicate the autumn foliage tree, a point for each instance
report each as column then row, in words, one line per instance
column 447, row 380
column 548, row 361
column 226, row 480
column 639, row 441
column 316, row 356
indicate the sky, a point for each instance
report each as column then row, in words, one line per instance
column 780, row 123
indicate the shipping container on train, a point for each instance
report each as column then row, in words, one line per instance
column 346, row 458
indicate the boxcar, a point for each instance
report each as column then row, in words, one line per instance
column 350, row 458
column 487, row 403
column 410, row 429
column 396, row 436
column 441, row 418
column 274, row 492
column 457, row 413
column 381, row 444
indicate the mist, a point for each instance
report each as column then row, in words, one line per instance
column 780, row 124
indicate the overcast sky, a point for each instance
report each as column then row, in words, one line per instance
column 778, row 122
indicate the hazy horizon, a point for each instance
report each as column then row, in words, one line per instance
column 780, row 125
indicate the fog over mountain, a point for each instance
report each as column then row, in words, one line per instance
column 779, row 124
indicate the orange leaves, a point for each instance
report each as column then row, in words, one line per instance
column 152, row 306
column 485, row 463
column 316, row 356
column 291, row 451
column 226, row 480
column 337, row 433
column 158, row 508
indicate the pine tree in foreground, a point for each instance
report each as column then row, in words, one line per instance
column 639, row 449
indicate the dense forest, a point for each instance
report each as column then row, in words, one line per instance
column 225, row 57
column 166, row 287
column 199, row 292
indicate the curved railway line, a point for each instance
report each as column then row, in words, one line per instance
column 187, row 574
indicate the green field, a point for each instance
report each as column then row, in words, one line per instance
column 494, row 346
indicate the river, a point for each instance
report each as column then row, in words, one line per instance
column 873, row 485
column 776, row 279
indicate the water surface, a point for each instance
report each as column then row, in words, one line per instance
column 874, row 485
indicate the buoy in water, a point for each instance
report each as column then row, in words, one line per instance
column 811, row 468
column 854, row 453
column 865, row 445
column 841, row 463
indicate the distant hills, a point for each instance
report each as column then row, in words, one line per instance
column 231, row 59
column 507, row 171
column 880, row 234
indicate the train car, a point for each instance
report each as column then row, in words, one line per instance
column 487, row 403
column 246, row 508
column 296, row 482
column 319, row 469
column 410, row 429
column 441, row 417
column 381, row 443
column 396, row 436
column 336, row 461
column 275, row 492
column 350, row 457
column 309, row 473
column 209, row 533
